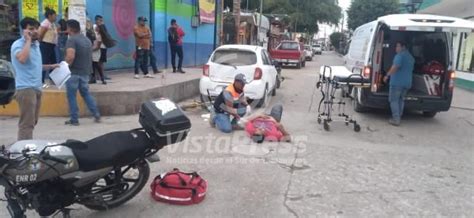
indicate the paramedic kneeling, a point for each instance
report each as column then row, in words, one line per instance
column 231, row 101
column 401, row 76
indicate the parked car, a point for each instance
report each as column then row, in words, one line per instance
column 308, row 53
column 263, row 75
column 429, row 37
column 317, row 49
column 289, row 52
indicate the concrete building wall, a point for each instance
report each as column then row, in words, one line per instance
column 198, row 42
column 120, row 17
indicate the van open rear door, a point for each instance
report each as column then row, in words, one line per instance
column 427, row 23
column 431, row 23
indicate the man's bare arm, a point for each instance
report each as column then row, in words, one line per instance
column 70, row 55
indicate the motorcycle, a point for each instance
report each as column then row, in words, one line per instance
column 101, row 174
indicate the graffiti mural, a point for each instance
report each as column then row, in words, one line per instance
column 123, row 13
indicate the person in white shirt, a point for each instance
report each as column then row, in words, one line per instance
column 48, row 37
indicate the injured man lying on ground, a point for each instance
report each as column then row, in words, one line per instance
column 263, row 127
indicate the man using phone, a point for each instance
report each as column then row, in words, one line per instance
column 26, row 60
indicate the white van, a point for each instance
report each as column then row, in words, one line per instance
column 430, row 39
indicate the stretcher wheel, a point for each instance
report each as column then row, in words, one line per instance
column 356, row 127
column 319, row 120
column 326, row 125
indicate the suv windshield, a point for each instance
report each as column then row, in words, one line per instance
column 234, row 57
column 289, row 46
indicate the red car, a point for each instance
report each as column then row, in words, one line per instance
column 289, row 52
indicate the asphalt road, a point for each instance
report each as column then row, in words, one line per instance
column 423, row 168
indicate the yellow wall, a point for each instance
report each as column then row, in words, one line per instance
column 53, row 103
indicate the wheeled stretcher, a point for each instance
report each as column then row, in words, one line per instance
column 336, row 84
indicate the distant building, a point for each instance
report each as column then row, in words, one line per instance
column 197, row 20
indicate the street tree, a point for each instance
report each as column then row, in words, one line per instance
column 364, row 11
column 336, row 39
column 303, row 15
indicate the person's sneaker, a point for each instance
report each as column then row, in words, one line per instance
column 136, row 76
column 107, row 78
column 149, row 76
column 394, row 122
column 174, row 70
column 92, row 82
column 72, row 123
column 104, row 82
column 158, row 71
column 181, row 71
column 97, row 120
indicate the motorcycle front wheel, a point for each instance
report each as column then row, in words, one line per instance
column 119, row 186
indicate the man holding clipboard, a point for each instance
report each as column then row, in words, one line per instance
column 79, row 58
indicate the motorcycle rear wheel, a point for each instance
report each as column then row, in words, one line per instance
column 123, row 193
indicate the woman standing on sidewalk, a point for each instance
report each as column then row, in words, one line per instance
column 48, row 37
column 96, row 40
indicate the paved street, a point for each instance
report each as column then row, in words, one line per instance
column 422, row 168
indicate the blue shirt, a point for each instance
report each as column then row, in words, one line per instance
column 404, row 75
column 29, row 74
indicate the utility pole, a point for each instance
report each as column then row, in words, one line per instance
column 236, row 10
column 296, row 20
column 260, row 22
column 342, row 25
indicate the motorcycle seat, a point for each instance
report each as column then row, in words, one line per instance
column 110, row 150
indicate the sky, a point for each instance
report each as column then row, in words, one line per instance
column 326, row 30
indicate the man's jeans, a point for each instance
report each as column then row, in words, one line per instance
column 153, row 61
column 72, row 85
column 141, row 61
column 176, row 50
column 223, row 122
column 397, row 103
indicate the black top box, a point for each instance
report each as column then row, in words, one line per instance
column 164, row 121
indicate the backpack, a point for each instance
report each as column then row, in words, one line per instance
column 179, row 188
column 107, row 40
column 173, row 35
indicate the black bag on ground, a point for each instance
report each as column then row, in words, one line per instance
column 7, row 82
